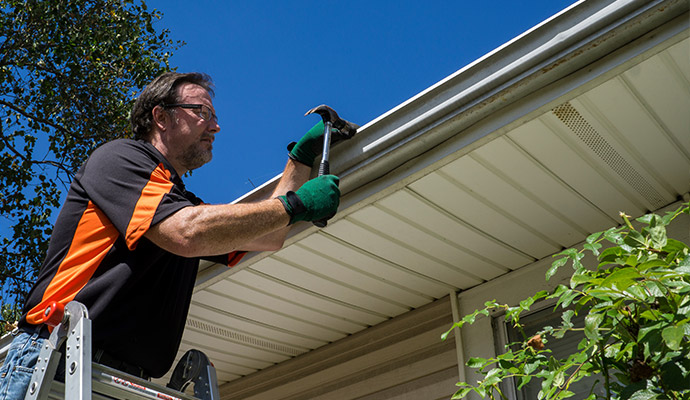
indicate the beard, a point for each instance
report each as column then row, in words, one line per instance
column 195, row 156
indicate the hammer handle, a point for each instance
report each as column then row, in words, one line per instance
column 324, row 166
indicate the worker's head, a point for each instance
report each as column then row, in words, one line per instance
column 175, row 113
column 162, row 91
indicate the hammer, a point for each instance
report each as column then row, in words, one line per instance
column 330, row 120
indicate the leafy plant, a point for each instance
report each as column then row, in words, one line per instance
column 636, row 329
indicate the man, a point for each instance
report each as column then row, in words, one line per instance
column 129, row 237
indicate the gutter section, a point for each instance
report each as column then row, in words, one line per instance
column 567, row 43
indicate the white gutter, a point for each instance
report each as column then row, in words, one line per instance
column 469, row 97
column 401, row 142
column 566, row 43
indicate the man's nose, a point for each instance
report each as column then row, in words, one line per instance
column 214, row 127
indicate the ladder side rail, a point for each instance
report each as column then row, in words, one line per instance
column 49, row 356
column 78, row 359
column 206, row 386
column 45, row 368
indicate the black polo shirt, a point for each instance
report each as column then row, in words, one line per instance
column 137, row 294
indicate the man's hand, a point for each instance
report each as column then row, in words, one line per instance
column 311, row 144
column 316, row 199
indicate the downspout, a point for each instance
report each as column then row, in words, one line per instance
column 460, row 354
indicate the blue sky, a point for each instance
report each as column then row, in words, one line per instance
column 273, row 60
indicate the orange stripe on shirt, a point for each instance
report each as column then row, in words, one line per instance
column 93, row 238
column 158, row 186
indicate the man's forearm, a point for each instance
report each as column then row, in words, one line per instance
column 207, row 230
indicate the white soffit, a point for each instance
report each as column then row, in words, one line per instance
column 512, row 187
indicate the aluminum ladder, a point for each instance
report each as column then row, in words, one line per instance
column 85, row 380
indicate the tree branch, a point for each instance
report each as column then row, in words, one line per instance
column 16, row 278
column 28, row 115
column 55, row 164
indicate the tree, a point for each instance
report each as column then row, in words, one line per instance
column 69, row 72
column 636, row 328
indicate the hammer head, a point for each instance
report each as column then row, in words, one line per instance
column 326, row 113
column 346, row 129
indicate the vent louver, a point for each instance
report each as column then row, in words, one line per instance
column 242, row 338
column 584, row 131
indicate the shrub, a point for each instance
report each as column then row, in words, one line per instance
column 636, row 328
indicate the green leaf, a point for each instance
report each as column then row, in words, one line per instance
column 592, row 322
column 559, row 379
column 635, row 239
column 685, row 263
column 581, row 275
column 593, row 247
column 461, row 393
column 651, row 341
column 674, row 246
column 566, row 298
column 658, row 236
column 631, row 389
column 493, row 377
column 593, row 237
column 673, row 336
column 524, row 380
column 652, row 264
column 610, row 255
column 507, row 365
column 553, row 364
column 646, row 219
column 645, row 394
column 526, row 303
column 621, row 278
column 566, row 317
column 614, row 235
column 540, row 295
column 476, row 362
column 555, row 266
column 676, row 374
column 531, row 367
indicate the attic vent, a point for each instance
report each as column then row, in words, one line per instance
column 587, row 134
column 242, row 338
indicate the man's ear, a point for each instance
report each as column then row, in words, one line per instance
column 161, row 118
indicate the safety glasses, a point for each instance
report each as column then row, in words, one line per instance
column 201, row 110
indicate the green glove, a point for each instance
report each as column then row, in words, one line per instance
column 315, row 200
column 311, row 144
